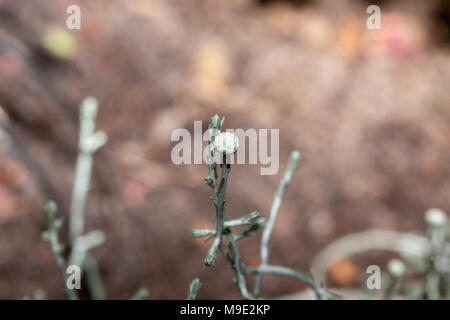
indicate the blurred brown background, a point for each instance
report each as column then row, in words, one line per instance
column 369, row 110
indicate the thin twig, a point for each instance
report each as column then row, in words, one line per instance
column 194, row 287
column 141, row 294
column 93, row 278
column 51, row 235
column 89, row 142
column 237, row 265
column 223, row 227
column 320, row 292
column 264, row 249
column 219, row 195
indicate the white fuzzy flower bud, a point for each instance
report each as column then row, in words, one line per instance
column 226, row 142
column 396, row 268
column 436, row 217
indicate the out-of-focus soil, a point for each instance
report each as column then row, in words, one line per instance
column 369, row 111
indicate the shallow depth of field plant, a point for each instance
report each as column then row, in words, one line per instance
column 76, row 253
column 422, row 273
column 224, row 240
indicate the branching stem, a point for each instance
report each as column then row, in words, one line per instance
column 223, row 227
column 264, row 249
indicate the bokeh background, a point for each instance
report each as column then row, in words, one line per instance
column 369, row 110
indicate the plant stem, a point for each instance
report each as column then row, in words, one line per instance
column 141, row 294
column 276, row 204
column 437, row 236
column 93, row 278
column 223, row 227
column 51, row 235
column 89, row 142
column 219, row 203
column 284, row 271
column 56, row 249
column 237, row 265
column 390, row 286
column 194, row 287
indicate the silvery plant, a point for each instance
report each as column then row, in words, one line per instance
column 79, row 261
column 427, row 259
column 221, row 146
column 74, row 260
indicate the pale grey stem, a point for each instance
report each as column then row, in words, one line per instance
column 93, row 278
column 250, row 219
column 56, row 249
column 246, row 220
column 432, row 285
column 83, row 244
column 267, row 232
column 89, row 142
column 237, row 265
column 51, row 235
column 141, row 294
column 226, row 254
column 281, row 271
column 437, row 234
column 80, row 189
column 320, row 292
column 219, row 203
column 194, row 287
column 390, row 286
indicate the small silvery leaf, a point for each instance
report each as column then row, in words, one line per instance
column 215, row 123
column 46, row 236
column 199, row 233
column 51, row 210
column 57, row 224
column 242, row 220
column 255, row 226
column 94, row 142
column 141, row 294
column 194, row 287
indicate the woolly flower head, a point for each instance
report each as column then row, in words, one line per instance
column 226, row 142
column 396, row 268
column 436, row 217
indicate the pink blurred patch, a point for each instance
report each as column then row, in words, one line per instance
column 401, row 35
column 8, row 204
column 9, row 66
column 134, row 193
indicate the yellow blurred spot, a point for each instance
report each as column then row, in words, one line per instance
column 201, row 224
column 60, row 42
column 211, row 70
column 349, row 38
